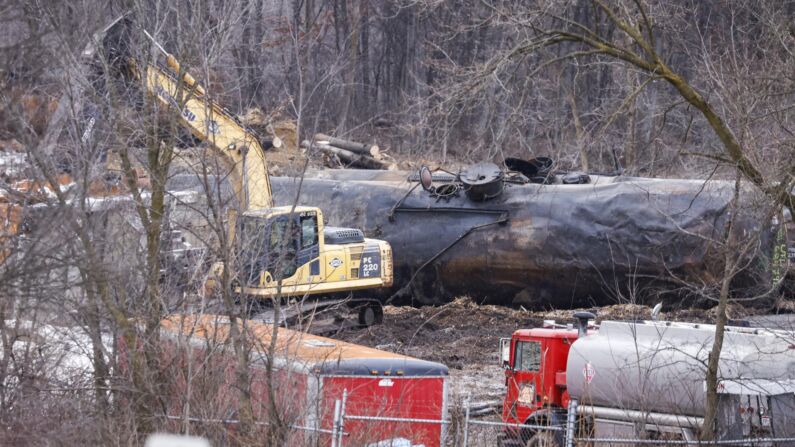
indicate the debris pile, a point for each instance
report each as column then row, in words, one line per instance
column 286, row 130
column 349, row 153
column 286, row 159
column 257, row 120
column 262, row 124
column 335, row 152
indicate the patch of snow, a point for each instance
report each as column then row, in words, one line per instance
column 61, row 354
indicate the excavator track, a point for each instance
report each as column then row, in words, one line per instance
column 320, row 316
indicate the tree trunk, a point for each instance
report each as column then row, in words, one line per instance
column 708, row 431
column 371, row 150
column 579, row 132
column 350, row 158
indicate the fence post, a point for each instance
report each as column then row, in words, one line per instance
column 341, row 432
column 466, row 421
column 571, row 421
column 335, row 423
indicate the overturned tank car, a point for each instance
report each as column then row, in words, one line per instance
column 530, row 236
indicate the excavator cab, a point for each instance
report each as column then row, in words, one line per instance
column 288, row 251
column 274, row 247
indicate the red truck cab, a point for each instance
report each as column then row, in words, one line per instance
column 535, row 373
column 535, row 362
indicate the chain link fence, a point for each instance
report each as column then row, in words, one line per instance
column 465, row 428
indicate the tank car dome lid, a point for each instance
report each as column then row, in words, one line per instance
column 481, row 174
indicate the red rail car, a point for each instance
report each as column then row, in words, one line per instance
column 310, row 374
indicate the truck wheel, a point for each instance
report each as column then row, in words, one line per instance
column 371, row 314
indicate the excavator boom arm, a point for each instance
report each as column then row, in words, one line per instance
column 211, row 123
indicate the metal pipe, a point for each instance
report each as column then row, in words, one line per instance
column 342, row 416
column 641, row 416
column 571, row 420
column 532, row 427
column 393, row 419
column 335, row 424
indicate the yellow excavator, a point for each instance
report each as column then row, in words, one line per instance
column 287, row 251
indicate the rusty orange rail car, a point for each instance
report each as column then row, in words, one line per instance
column 310, row 375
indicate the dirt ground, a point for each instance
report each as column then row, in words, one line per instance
column 465, row 336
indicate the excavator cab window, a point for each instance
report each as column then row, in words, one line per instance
column 252, row 239
column 269, row 246
column 284, row 238
column 308, row 231
column 277, row 236
column 310, row 245
column 250, row 233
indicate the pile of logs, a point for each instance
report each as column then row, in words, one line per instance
column 350, row 153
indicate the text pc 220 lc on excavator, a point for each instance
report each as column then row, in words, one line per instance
column 287, row 251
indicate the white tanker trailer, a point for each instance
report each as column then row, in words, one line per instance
column 646, row 380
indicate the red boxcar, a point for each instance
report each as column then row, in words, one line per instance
column 310, row 374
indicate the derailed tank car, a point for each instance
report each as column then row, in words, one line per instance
column 574, row 239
